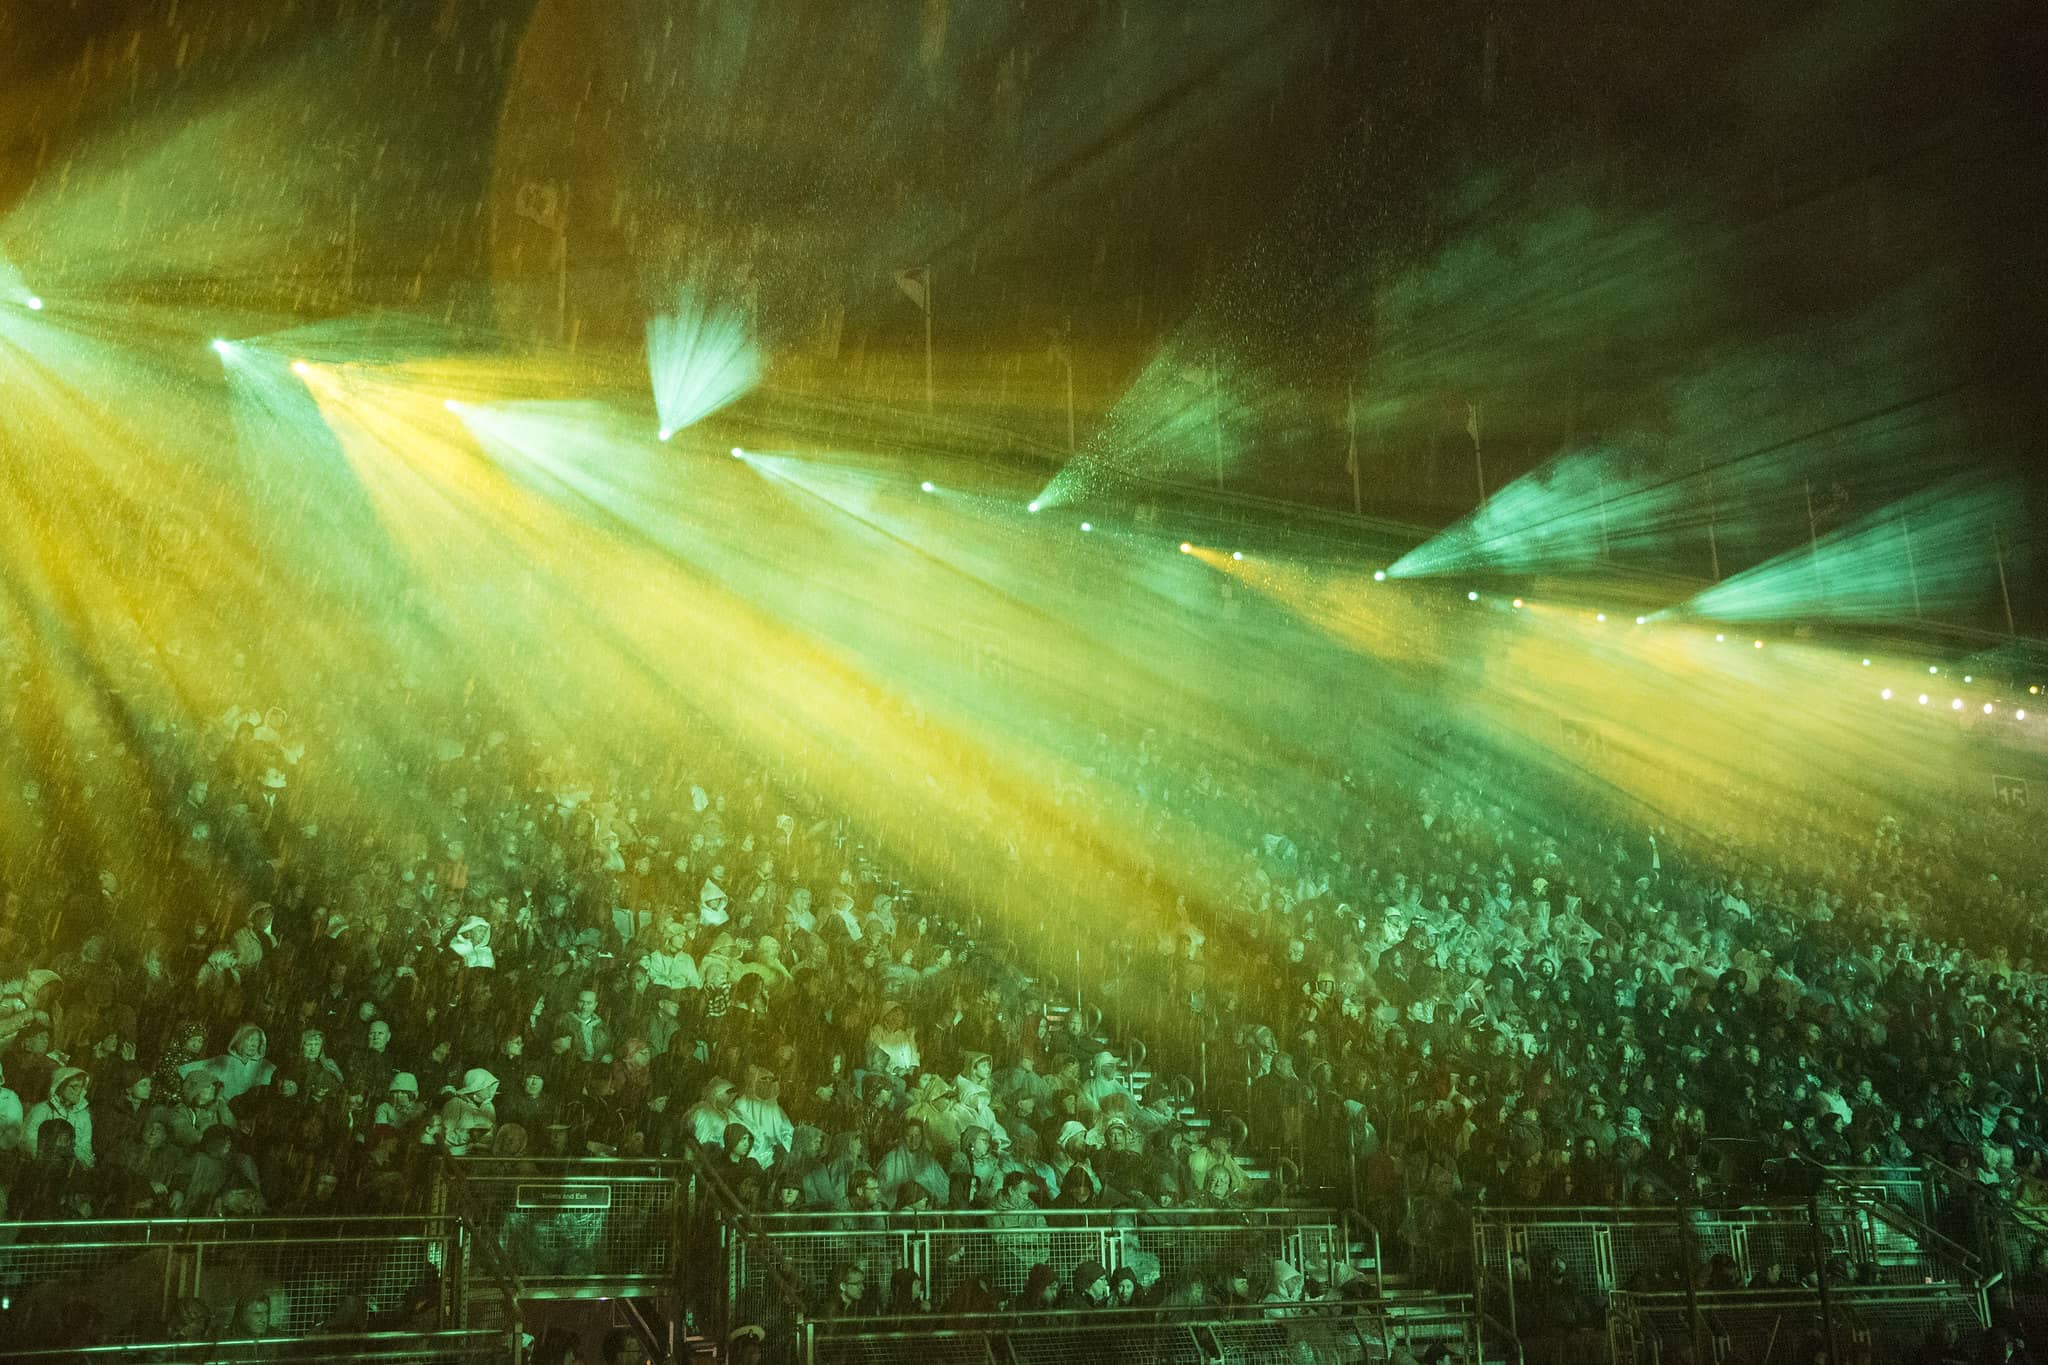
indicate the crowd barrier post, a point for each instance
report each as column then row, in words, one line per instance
column 1820, row 1279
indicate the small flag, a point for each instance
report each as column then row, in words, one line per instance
column 913, row 282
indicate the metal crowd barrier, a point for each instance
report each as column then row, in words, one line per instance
column 124, row 1275
column 949, row 1250
column 581, row 1227
column 1884, row 1324
column 381, row 1348
column 1258, row 1334
column 1645, row 1249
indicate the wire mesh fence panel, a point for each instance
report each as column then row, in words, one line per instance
column 924, row 1349
column 1006, row 1257
column 129, row 1282
column 819, row 1257
column 581, row 1224
column 306, row 1283
column 1886, row 1329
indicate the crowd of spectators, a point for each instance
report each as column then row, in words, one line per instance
column 1435, row 991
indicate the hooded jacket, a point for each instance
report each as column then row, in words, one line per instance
column 237, row 1074
column 10, row 1117
column 79, row 1116
column 671, row 967
column 472, row 943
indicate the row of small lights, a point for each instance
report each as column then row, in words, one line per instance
column 300, row 367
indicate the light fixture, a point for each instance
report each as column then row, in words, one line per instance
column 1758, row 643
column 1987, row 708
column 1471, row 597
column 929, row 487
column 1956, row 705
column 664, row 433
column 1886, row 694
column 2020, row 714
column 1644, row 621
column 1087, row 525
column 1518, row 604
column 1599, row 616
column 1031, row 506
column 1866, row 663
column 35, row 305
column 1718, row 637
column 221, row 347
column 1923, row 699
column 1186, row 548
column 451, row 405
column 1237, row 554
column 738, row 454
column 1968, row 678
column 1932, row 669
column 1379, row 575
column 301, row 368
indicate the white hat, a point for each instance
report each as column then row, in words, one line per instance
column 476, row 1080
column 407, row 1082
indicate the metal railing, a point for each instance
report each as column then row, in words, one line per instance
column 1254, row 1334
column 579, row 1227
column 1883, row 1323
column 1642, row 1249
column 492, row 1268
column 133, row 1270
column 396, row 1348
column 951, row 1251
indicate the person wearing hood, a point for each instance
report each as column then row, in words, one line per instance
column 670, row 967
column 241, row 1068
column 401, row 1109
column 1090, row 1286
column 706, row 1120
column 972, row 1107
column 472, row 943
column 1289, row 1285
column 892, row 1043
column 978, row 1161
column 11, row 1138
column 760, row 1109
column 1103, row 1079
column 115, row 1119
column 66, row 1101
column 912, row 1159
column 932, row 1104
column 469, row 1114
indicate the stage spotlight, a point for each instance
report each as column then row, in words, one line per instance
column 1932, row 669
column 738, row 453
column 1600, row 616
column 1968, row 678
column 1956, row 705
column 1471, row 597
column 929, row 487
column 1886, row 694
column 1758, row 643
column 35, row 305
column 1644, row 621
column 1237, row 554
column 2020, row 714
column 1923, row 699
column 222, row 347
column 1087, row 525
column 1518, row 604
column 1031, row 506
column 301, row 368
column 451, row 405
column 1379, row 575
column 1719, row 638
column 1186, row 548
column 663, row 434
column 1866, row 663
column 1987, row 708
